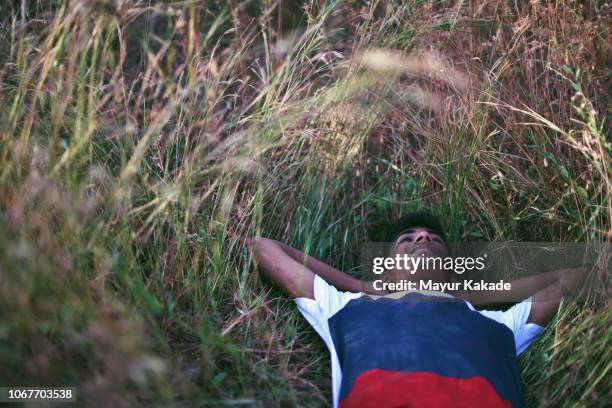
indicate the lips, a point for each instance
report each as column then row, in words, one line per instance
column 419, row 245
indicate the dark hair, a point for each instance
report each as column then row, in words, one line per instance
column 421, row 219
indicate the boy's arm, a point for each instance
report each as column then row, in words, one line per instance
column 546, row 290
column 294, row 271
column 545, row 302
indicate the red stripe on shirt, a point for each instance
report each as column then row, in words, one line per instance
column 387, row 388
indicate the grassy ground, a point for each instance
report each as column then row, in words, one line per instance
column 140, row 141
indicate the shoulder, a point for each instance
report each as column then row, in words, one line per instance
column 327, row 300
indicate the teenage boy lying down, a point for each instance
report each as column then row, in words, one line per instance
column 417, row 349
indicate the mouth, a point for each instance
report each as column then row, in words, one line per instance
column 424, row 247
column 427, row 248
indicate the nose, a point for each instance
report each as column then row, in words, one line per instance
column 422, row 236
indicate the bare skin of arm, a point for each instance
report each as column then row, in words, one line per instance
column 545, row 302
column 294, row 271
column 546, row 289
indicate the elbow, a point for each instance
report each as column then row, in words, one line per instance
column 255, row 243
column 251, row 241
column 259, row 247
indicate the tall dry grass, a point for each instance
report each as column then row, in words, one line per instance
column 140, row 141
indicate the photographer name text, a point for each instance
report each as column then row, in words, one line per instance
column 467, row 285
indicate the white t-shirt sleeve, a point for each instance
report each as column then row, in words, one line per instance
column 515, row 319
column 327, row 302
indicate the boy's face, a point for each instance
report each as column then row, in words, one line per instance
column 418, row 241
